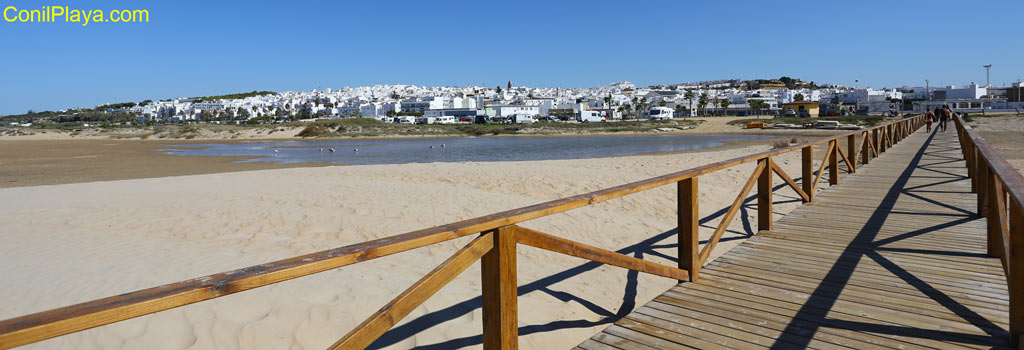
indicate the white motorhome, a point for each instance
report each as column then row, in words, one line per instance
column 521, row 119
column 405, row 120
column 660, row 113
column 589, row 116
column 444, row 120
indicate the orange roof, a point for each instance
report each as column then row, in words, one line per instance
column 801, row 103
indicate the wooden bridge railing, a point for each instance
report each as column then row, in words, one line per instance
column 1000, row 190
column 495, row 246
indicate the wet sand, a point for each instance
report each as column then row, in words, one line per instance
column 52, row 162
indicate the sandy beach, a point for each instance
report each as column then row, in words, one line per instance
column 1005, row 134
column 71, row 243
column 81, row 239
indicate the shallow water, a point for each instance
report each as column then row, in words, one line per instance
column 457, row 149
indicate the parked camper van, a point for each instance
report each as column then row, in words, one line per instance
column 444, row 120
column 589, row 116
column 405, row 120
column 660, row 113
column 521, row 119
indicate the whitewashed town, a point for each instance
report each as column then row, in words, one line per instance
column 411, row 104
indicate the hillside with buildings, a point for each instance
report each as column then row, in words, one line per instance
column 476, row 104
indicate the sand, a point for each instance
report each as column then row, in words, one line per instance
column 70, row 243
column 1005, row 134
column 62, row 161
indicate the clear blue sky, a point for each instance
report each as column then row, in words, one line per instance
column 192, row 48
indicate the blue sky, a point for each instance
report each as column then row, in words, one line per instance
column 192, row 48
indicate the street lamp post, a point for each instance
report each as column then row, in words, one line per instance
column 987, row 68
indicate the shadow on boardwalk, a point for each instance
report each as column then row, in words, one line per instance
column 646, row 247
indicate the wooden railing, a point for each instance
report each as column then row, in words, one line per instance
column 495, row 246
column 1000, row 190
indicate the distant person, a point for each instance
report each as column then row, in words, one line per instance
column 949, row 114
column 929, row 118
column 944, row 115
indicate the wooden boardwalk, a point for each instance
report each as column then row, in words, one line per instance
column 894, row 257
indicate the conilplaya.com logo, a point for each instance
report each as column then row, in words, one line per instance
column 66, row 14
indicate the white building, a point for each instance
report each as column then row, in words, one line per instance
column 969, row 92
column 507, row 110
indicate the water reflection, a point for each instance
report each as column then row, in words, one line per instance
column 461, row 149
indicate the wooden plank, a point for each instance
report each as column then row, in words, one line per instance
column 846, row 159
column 381, row 321
column 997, row 227
column 688, row 216
column 874, row 142
column 821, row 168
column 651, row 336
column 833, row 164
column 499, row 291
column 807, row 172
column 764, row 196
column 1016, row 277
column 556, row 244
column 760, row 308
column 730, row 214
column 619, row 342
column 760, row 289
column 789, row 181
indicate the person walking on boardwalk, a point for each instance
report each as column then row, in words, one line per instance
column 943, row 115
column 949, row 116
column 929, row 118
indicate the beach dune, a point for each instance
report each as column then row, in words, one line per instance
column 66, row 244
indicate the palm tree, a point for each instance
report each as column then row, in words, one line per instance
column 689, row 97
column 725, row 104
column 702, row 102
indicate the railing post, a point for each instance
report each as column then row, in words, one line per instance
column 688, row 229
column 874, row 140
column 972, row 165
column 851, row 151
column 982, row 186
column 807, row 171
column 865, row 149
column 1015, row 280
column 883, row 137
column 498, row 270
column 764, row 196
column 994, row 229
column 833, row 163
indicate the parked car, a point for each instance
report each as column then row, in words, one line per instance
column 742, row 114
column 804, row 114
column 788, row 112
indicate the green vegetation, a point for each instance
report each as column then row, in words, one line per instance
column 869, row 120
column 233, row 96
column 117, row 105
column 366, row 127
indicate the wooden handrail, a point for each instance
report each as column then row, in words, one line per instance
column 365, row 333
column 499, row 260
column 1000, row 189
column 556, row 244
